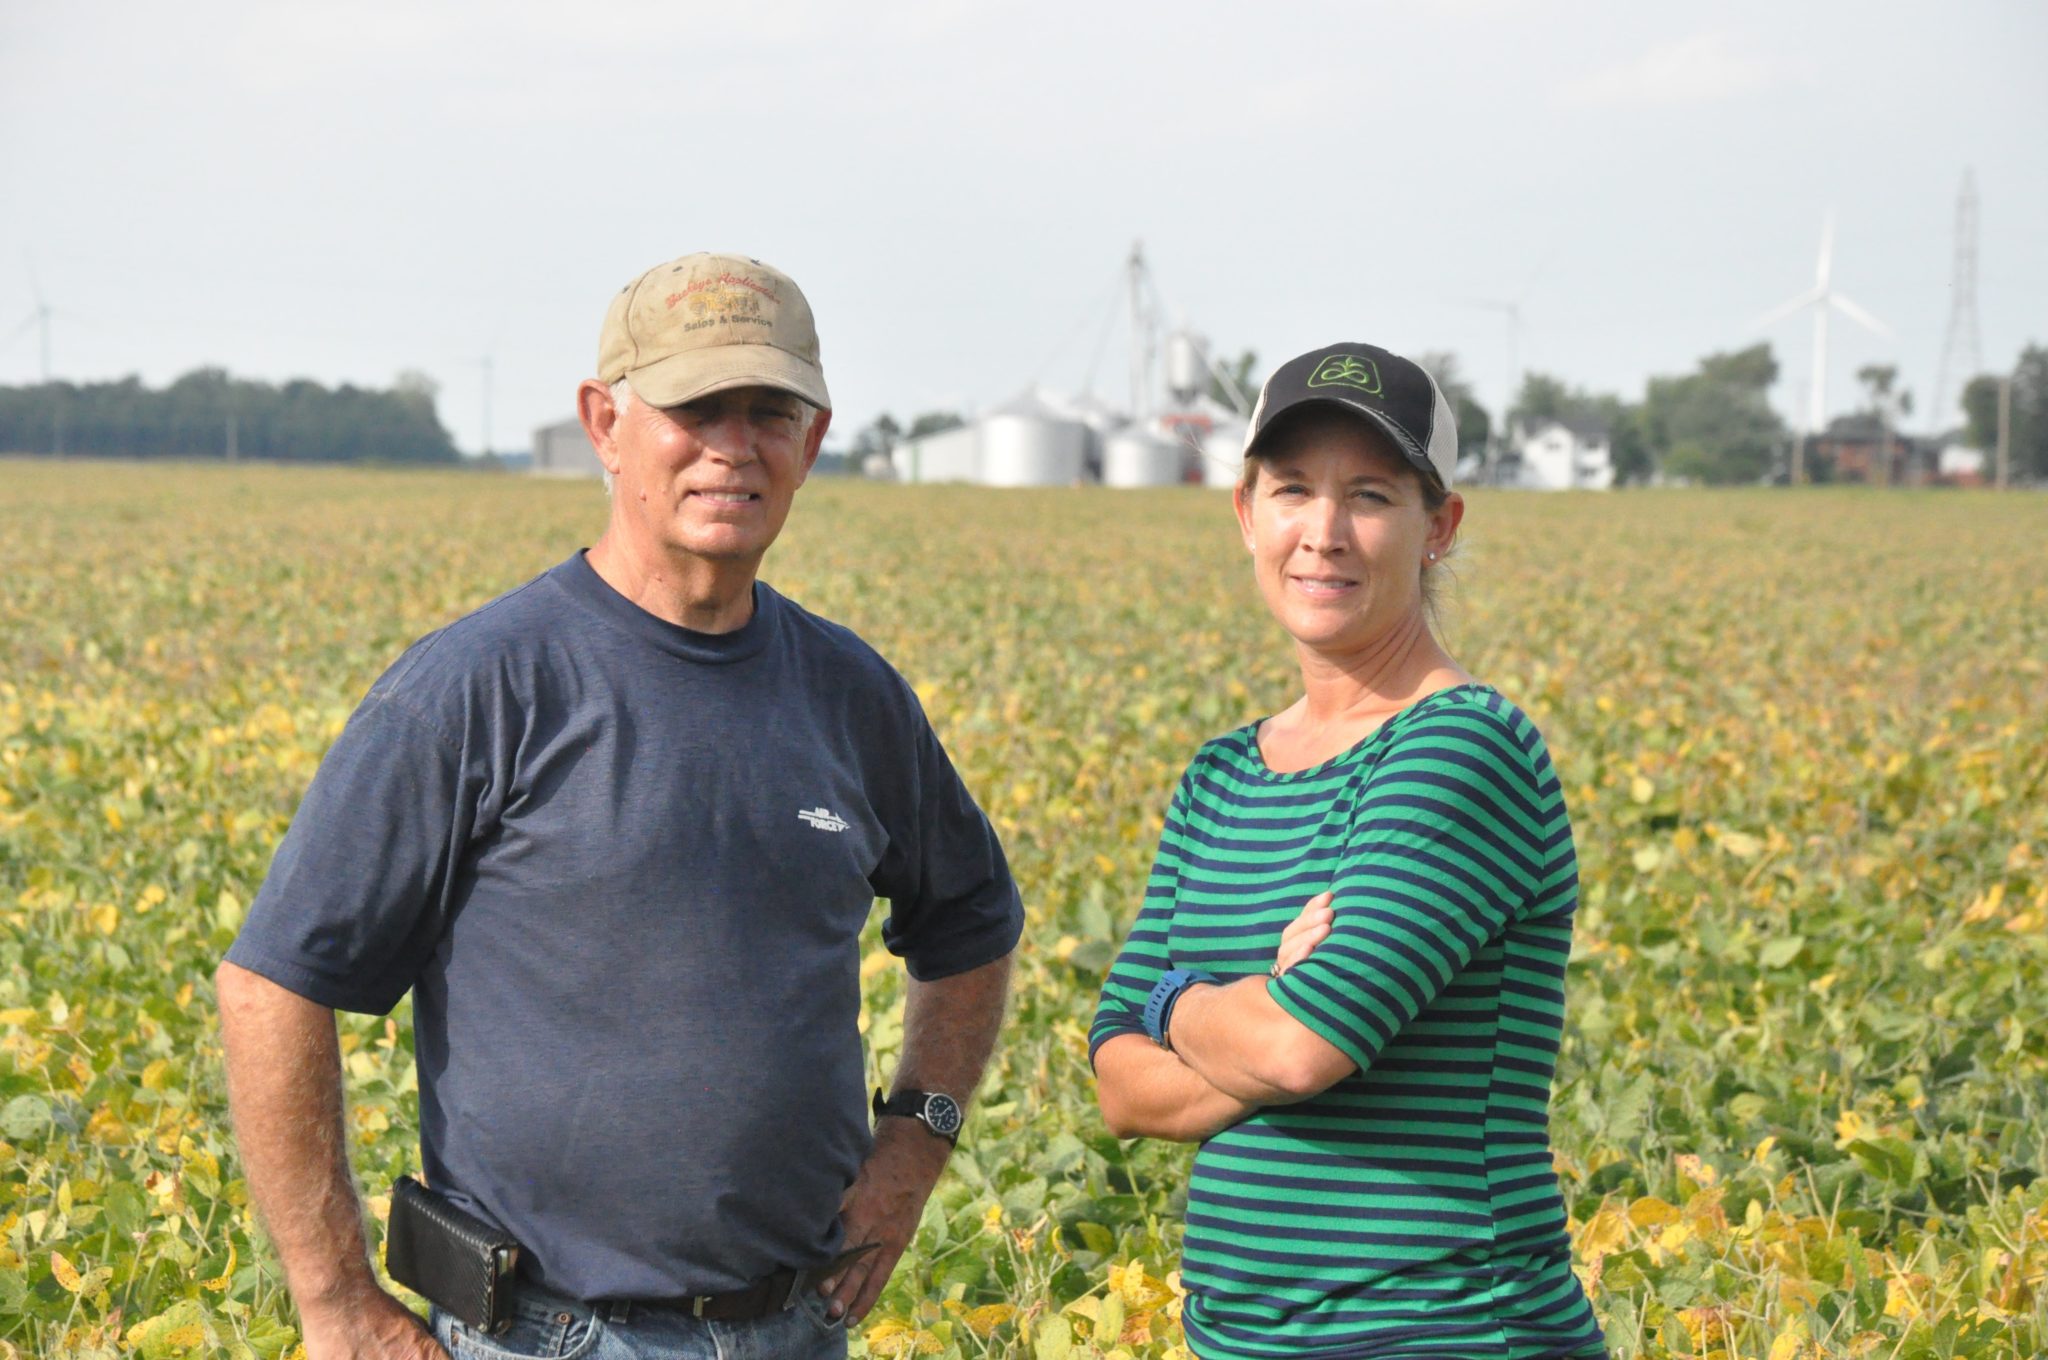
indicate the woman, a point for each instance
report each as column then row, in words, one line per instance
column 1368, row 1075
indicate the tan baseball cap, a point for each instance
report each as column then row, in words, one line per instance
column 705, row 322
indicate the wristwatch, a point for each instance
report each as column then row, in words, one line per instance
column 1159, row 1006
column 935, row 1110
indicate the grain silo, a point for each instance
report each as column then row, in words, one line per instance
column 1222, row 454
column 1187, row 369
column 947, row 456
column 1138, row 457
column 1025, row 442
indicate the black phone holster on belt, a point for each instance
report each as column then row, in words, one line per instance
column 450, row 1257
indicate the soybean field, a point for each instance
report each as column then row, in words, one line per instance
column 1802, row 1103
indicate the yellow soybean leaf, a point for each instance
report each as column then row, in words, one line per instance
column 1606, row 1231
column 1986, row 905
column 984, row 1320
column 191, row 1336
column 892, row 1336
column 1651, row 1212
column 175, row 1331
column 65, row 1273
column 1109, row 1320
column 1741, row 844
column 219, row 1283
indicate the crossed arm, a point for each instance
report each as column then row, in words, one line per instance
column 1234, row 1050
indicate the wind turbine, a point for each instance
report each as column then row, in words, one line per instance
column 40, row 316
column 1820, row 297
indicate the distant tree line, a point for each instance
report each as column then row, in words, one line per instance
column 208, row 414
column 1716, row 425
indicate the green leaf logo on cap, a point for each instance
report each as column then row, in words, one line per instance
column 1348, row 370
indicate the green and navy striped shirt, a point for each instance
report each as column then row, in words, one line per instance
column 1410, row 1210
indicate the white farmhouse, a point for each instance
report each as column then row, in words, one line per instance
column 1563, row 455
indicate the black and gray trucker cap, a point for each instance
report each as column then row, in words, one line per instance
column 1394, row 393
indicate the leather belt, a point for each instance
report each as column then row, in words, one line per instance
column 767, row 1295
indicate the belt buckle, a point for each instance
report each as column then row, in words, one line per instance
column 796, row 1283
column 697, row 1305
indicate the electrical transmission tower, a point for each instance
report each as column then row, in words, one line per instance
column 1961, row 351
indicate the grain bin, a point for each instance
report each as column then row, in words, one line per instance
column 947, row 456
column 1138, row 457
column 1222, row 454
column 1025, row 442
column 1187, row 371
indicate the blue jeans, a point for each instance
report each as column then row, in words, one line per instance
column 547, row 1325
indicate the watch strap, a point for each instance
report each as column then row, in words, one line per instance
column 1158, row 1012
column 937, row 1111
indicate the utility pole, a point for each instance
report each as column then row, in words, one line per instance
column 1141, row 349
column 1497, row 445
column 2004, row 433
column 487, row 405
column 1881, row 465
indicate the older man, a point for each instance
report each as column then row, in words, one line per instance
column 618, row 832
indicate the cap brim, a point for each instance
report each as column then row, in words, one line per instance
column 1403, row 441
column 699, row 373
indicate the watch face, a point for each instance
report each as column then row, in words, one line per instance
column 942, row 1113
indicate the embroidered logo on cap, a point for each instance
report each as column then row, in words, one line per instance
column 1348, row 370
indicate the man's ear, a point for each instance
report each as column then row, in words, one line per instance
column 600, row 417
column 814, row 441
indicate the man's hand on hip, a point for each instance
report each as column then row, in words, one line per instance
column 883, row 1205
column 369, row 1326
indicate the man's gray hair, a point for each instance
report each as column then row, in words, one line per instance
column 623, row 396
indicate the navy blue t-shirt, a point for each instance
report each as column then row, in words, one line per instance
column 623, row 867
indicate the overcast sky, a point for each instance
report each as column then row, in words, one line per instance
column 343, row 191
